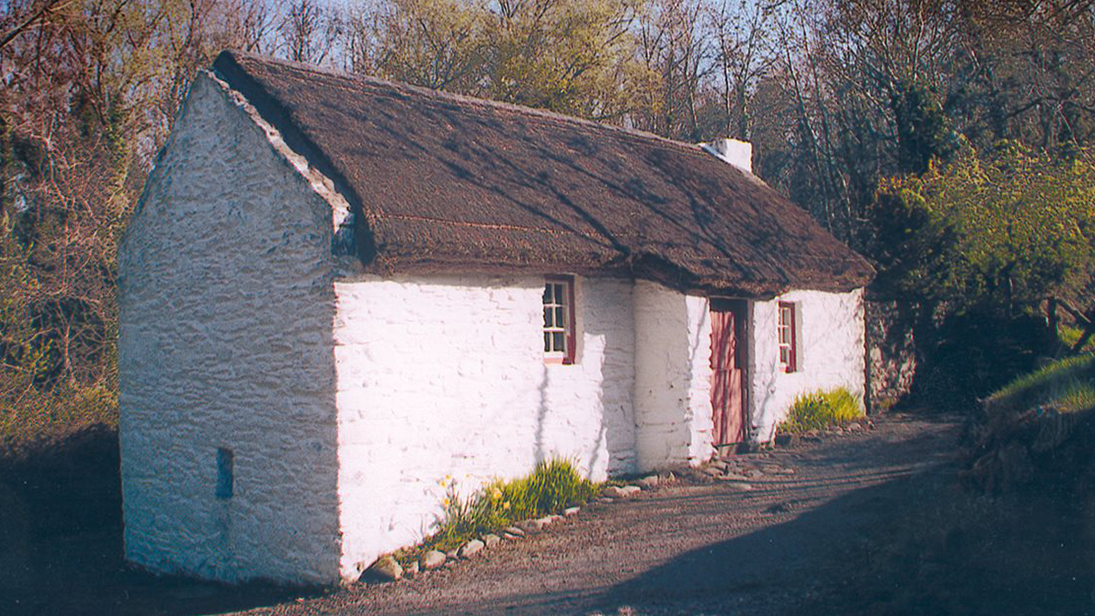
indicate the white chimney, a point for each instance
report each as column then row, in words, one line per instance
column 732, row 151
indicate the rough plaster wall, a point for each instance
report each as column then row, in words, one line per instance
column 444, row 377
column 672, row 377
column 831, row 353
column 226, row 310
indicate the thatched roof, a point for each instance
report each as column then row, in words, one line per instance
column 445, row 183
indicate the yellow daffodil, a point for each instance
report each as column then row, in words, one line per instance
column 505, row 505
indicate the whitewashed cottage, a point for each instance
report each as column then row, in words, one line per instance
column 337, row 291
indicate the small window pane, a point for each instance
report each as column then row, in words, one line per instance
column 557, row 339
column 547, row 318
column 547, row 293
column 784, row 355
column 559, row 319
column 547, row 342
column 559, row 297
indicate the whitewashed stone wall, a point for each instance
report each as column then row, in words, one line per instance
column 672, row 377
column 443, row 378
column 831, row 353
column 226, row 311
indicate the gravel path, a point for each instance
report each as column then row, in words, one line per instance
column 690, row 547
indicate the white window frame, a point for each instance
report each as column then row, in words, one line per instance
column 788, row 335
column 559, row 301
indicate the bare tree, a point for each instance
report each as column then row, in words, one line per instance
column 309, row 31
column 674, row 46
column 740, row 31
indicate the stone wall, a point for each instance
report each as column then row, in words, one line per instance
column 891, row 352
column 443, row 379
column 226, row 310
column 831, row 354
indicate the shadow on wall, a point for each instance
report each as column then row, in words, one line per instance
column 663, row 376
column 699, row 345
column 764, row 377
column 616, row 372
column 541, row 417
column 605, row 370
column 891, row 352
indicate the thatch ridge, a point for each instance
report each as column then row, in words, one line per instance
column 470, row 101
column 449, row 183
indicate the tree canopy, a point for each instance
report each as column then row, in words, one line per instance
column 992, row 232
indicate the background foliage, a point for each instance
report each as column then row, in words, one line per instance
column 947, row 139
column 996, row 231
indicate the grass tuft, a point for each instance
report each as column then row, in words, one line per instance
column 552, row 486
column 820, row 410
column 1066, row 385
column 1069, row 335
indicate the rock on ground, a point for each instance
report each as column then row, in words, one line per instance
column 385, row 568
column 433, row 559
column 471, row 548
column 531, row 526
column 621, row 492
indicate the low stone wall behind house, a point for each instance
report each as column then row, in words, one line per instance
column 891, row 352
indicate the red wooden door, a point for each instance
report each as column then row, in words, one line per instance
column 727, row 370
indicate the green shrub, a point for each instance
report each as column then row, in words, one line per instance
column 551, row 487
column 820, row 410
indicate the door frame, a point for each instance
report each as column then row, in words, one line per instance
column 743, row 331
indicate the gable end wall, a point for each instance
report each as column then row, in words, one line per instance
column 226, row 310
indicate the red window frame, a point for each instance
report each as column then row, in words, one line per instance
column 787, row 335
column 551, row 327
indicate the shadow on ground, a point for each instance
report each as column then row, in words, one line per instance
column 920, row 546
column 61, row 541
column 910, row 543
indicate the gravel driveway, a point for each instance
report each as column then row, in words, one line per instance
column 691, row 547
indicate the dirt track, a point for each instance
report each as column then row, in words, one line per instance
column 687, row 548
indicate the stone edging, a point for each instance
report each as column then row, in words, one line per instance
column 387, row 569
